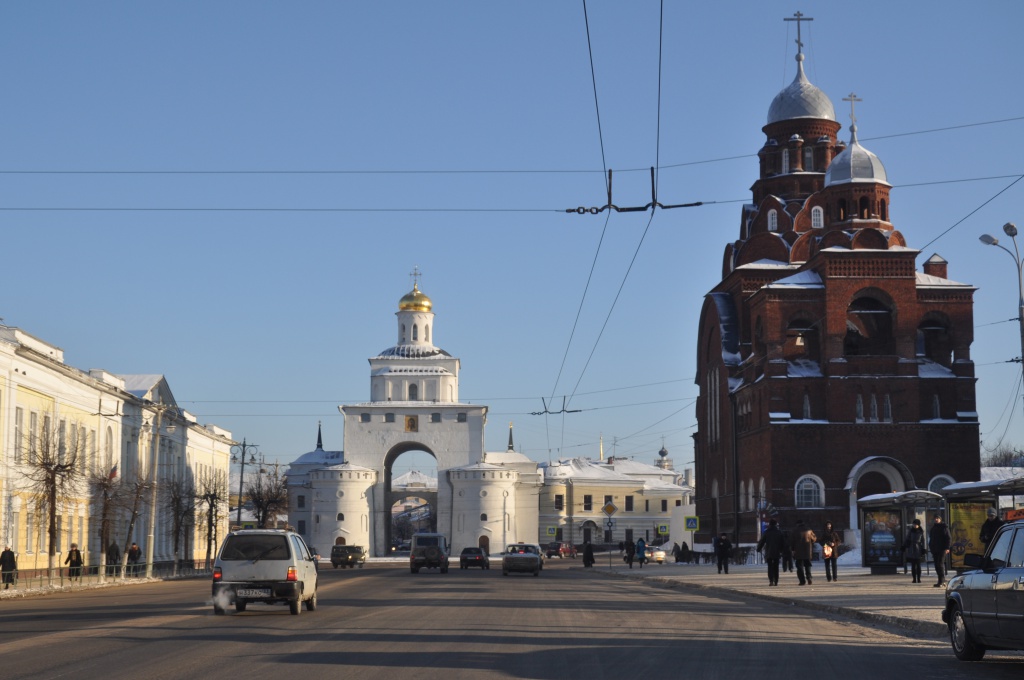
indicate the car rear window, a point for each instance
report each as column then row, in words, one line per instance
column 422, row 541
column 258, row 547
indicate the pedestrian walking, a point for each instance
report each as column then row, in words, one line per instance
column 134, row 555
column 723, row 550
column 803, row 551
column 771, row 545
column 641, row 552
column 989, row 527
column 914, row 550
column 74, row 562
column 939, row 542
column 830, row 541
column 8, row 565
column 787, row 551
column 630, row 553
column 588, row 555
column 113, row 559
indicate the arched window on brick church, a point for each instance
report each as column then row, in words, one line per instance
column 807, row 406
column 808, row 159
column 887, row 409
column 801, row 343
column 809, row 492
column 742, row 495
column 936, row 407
column 773, row 220
column 750, row 495
column 859, row 414
column 817, row 217
column 874, row 408
column 785, row 161
column 933, row 340
column 841, row 209
column 883, row 210
column 868, row 328
column 865, row 208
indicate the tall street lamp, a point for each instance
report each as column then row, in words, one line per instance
column 238, row 456
column 1010, row 229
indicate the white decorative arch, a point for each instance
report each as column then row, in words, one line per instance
column 895, row 472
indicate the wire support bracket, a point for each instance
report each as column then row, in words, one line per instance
column 654, row 204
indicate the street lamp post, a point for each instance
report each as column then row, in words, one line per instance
column 238, row 456
column 1010, row 229
column 154, row 462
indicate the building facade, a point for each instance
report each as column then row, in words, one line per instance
column 115, row 428
column 829, row 368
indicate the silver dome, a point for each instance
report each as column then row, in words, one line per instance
column 800, row 99
column 855, row 164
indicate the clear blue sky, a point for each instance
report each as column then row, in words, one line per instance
column 233, row 194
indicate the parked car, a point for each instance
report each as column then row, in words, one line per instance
column 264, row 565
column 560, row 550
column 985, row 607
column 656, row 553
column 474, row 557
column 348, row 556
column 522, row 557
column 429, row 551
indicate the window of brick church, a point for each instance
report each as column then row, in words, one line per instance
column 939, row 483
column 865, row 209
column 808, row 493
column 773, row 220
column 934, row 342
column 785, row 161
column 801, row 342
column 868, row 328
column 808, row 159
column 817, row 218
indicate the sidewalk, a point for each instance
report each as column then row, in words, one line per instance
column 892, row 600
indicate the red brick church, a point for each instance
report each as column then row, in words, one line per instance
column 829, row 367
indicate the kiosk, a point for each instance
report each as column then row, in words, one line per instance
column 884, row 519
column 968, row 503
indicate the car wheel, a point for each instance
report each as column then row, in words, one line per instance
column 335, row 566
column 295, row 606
column 360, row 565
column 219, row 611
column 240, row 606
column 311, row 603
column 444, row 569
column 414, row 570
column 964, row 646
column 537, row 573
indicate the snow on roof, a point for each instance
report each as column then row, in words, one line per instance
column 929, row 369
column 805, row 279
column 583, row 468
column 141, row 385
column 320, row 457
column 414, row 479
column 768, row 264
column 506, row 457
column 929, row 281
column 804, row 368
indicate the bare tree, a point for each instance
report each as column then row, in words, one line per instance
column 52, row 472
column 179, row 507
column 106, row 492
column 132, row 497
column 1004, row 456
column 268, row 494
column 211, row 502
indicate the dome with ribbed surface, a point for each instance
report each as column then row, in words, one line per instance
column 800, row 99
column 855, row 164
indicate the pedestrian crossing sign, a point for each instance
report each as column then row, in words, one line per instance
column 552, row 531
column 692, row 523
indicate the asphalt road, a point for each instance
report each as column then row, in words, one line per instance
column 383, row 622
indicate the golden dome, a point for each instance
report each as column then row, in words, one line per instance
column 415, row 301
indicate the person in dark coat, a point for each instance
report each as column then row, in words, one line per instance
column 939, row 542
column 991, row 525
column 771, row 545
column 113, row 559
column 914, row 550
column 787, row 551
column 830, row 541
column 588, row 555
column 630, row 553
column 803, row 551
column 723, row 549
column 8, row 565
column 684, row 553
column 134, row 555
column 74, row 562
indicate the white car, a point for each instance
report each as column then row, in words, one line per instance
column 264, row 565
column 522, row 557
column 656, row 554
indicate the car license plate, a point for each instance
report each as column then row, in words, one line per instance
column 253, row 592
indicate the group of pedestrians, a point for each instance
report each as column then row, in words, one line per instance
column 74, row 562
column 797, row 549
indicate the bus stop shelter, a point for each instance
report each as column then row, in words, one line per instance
column 884, row 520
column 967, row 505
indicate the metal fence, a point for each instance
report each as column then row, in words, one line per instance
column 34, row 579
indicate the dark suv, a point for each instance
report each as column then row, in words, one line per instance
column 985, row 607
column 429, row 551
column 348, row 556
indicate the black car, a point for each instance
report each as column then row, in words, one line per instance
column 985, row 607
column 474, row 557
column 348, row 556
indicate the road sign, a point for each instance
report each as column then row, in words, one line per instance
column 609, row 509
column 662, row 529
column 692, row 523
column 552, row 531
column 610, row 524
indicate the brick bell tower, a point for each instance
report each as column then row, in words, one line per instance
column 829, row 368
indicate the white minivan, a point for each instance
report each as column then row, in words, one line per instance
column 264, row 565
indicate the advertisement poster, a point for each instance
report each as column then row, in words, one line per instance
column 883, row 537
column 965, row 520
